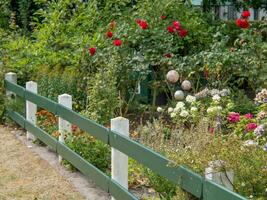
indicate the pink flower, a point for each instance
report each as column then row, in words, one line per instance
column 248, row 116
column 251, row 127
column 233, row 117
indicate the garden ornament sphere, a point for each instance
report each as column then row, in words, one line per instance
column 186, row 85
column 179, row 95
column 172, row 76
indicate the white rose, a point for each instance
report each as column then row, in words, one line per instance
column 216, row 97
column 190, row 99
column 159, row 109
column 180, row 105
column 170, row 110
column 184, row 113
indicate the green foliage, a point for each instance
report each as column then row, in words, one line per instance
column 242, row 104
column 165, row 188
column 53, row 86
column 239, row 65
column 94, row 151
column 5, row 13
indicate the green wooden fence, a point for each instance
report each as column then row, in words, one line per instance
column 181, row 176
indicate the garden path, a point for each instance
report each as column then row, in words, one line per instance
column 30, row 172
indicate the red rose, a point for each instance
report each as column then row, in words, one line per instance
column 163, row 17
column 182, row 33
column 170, row 29
column 245, row 14
column 176, row 25
column 143, row 24
column 168, row 55
column 117, row 42
column 242, row 23
column 251, row 127
column 109, row 34
column 92, row 51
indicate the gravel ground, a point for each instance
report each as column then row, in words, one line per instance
column 29, row 172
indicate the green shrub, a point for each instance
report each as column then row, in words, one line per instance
column 94, row 151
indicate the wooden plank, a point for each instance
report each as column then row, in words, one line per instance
column 213, row 191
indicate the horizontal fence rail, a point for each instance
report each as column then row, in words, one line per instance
column 181, row 176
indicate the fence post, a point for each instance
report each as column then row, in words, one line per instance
column 214, row 174
column 63, row 125
column 12, row 77
column 119, row 161
column 31, row 108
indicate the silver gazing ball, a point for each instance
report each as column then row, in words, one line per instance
column 179, row 95
column 172, row 76
column 186, row 85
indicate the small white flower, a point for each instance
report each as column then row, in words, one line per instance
column 216, row 97
column 210, row 110
column 184, row 113
column 193, row 109
column 170, row 110
column 243, row 184
column 176, row 110
column 219, row 108
column 180, row 105
column 190, row 99
column 214, row 92
column 173, row 114
column 159, row 109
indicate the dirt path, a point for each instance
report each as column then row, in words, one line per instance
column 25, row 176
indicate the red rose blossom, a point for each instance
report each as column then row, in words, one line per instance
column 92, row 51
column 163, row 17
column 182, row 33
column 251, row 127
column 245, row 14
column 117, row 42
column 170, row 29
column 109, row 34
column 233, row 117
column 248, row 116
column 143, row 24
column 176, row 25
column 242, row 23
column 168, row 55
